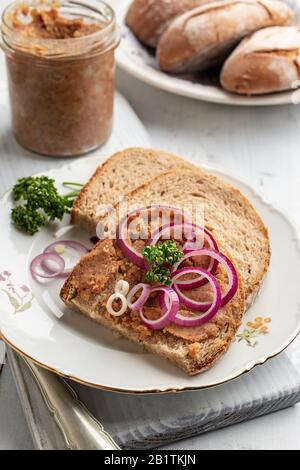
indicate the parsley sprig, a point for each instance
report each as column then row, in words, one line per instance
column 40, row 202
column 161, row 257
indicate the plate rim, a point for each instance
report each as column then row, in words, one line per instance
column 247, row 368
column 279, row 99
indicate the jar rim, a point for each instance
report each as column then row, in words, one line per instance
column 96, row 43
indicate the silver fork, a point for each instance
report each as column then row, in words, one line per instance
column 78, row 427
column 2, row 355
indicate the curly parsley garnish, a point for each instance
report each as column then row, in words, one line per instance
column 40, row 202
column 159, row 257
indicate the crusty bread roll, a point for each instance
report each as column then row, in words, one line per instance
column 266, row 61
column 203, row 37
column 148, row 19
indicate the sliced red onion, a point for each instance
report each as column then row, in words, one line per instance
column 139, row 303
column 185, row 228
column 169, row 313
column 187, row 248
column 124, row 244
column 122, row 287
column 109, row 305
column 190, row 244
column 230, row 271
column 77, row 246
column 194, row 305
column 72, row 243
column 42, row 258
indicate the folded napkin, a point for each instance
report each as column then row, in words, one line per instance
column 148, row 421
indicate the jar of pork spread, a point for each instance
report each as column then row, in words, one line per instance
column 61, row 70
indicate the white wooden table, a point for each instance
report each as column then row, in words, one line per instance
column 259, row 144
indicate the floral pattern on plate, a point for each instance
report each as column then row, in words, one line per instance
column 254, row 330
column 20, row 298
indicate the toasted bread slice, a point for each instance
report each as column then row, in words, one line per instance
column 120, row 174
column 192, row 349
column 228, row 215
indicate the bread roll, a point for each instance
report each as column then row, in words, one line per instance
column 203, row 37
column 148, row 19
column 265, row 62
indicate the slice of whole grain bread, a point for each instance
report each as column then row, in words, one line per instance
column 120, row 174
column 227, row 214
column 192, row 349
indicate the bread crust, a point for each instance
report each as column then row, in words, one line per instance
column 204, row 36
column 267, row 61
column 148, row 19
column 84, row 210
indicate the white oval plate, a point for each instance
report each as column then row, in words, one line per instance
column 78, row 348
column 140, row 62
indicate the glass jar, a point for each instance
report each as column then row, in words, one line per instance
column 61, row 72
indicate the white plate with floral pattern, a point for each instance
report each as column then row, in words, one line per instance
column 76, row 347
column 139, row 61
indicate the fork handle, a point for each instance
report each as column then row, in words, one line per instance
column 80, row 430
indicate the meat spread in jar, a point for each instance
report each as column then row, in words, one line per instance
column 61, row 70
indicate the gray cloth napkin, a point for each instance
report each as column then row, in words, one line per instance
column 147, row 421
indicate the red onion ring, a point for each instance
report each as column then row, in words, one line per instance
column 187, row 248
column 170, row 312
column 72, row 243
column 40, row 259
column 127, row 249
column 184, row 227
column 193, row 305
column 190, row 244
column 139, row 303
column 77, row 246
column 230, row 271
